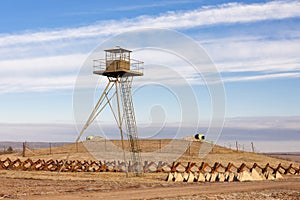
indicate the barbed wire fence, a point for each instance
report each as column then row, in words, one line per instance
column 42, row 148
column 241, row 146
column 48, row 148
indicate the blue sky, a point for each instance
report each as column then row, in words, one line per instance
column 255, row 46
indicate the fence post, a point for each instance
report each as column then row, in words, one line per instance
column 24, row 149
column 237, row 146
column 160, row 145
column 252, row 145
column 50, row 148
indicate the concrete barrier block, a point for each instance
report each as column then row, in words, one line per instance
column 178, row 177
column 201, row 177
column 170, row 177
column 221, row 177
column 191, row 178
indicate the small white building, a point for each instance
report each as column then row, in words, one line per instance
column 94, row 138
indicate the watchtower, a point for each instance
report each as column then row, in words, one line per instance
column 120, row 69
column 117, row 63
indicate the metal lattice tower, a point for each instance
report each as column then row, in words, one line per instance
column 130, row 121
column 120, row 70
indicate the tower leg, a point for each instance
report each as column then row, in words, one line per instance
column 120, row 127
column 94, row 112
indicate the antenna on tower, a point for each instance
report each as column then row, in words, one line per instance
column 120, row 69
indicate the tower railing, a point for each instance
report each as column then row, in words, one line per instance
column 135, row 65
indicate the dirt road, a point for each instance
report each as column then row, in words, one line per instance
column 288, row 188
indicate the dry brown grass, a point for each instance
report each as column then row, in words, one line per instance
column 217, row 154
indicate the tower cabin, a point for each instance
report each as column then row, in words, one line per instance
column 117, row 63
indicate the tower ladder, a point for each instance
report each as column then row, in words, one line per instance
column 129, row 116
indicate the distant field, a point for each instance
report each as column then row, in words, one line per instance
column 286, row 156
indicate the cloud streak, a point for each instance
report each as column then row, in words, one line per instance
column 50, row 59
column 213, row 15
column 42, row 65
column 37, row 84
column 59, row 72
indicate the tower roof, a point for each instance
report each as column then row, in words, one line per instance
column 117, row 49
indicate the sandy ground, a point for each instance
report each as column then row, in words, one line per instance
column 69, row 186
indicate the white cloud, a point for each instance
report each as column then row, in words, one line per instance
column 226, row 13
column 151, row 5
column 60, row 72
column 258, row 48
column 36, row 84
column 29, row 60
column 40, row 74
column 262, row 77
column 267, row 58
column 266, row 65
column 42, row 65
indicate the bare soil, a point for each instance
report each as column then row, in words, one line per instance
column 69, row 186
